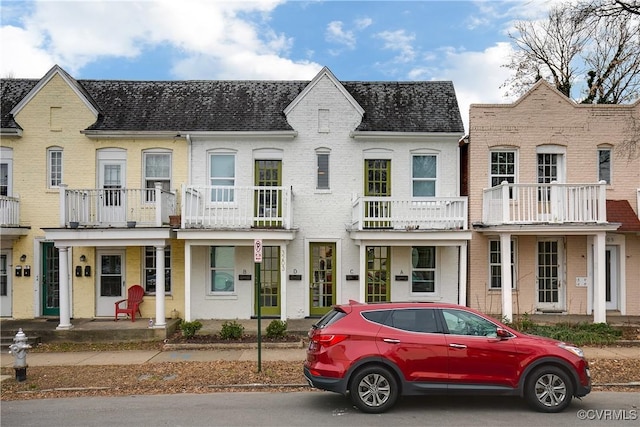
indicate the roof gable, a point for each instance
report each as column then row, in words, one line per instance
column 73, row 84
column 325, row 72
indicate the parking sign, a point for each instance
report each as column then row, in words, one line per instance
column 257, row 250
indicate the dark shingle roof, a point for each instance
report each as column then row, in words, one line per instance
column 11, row 93
column 249, row 105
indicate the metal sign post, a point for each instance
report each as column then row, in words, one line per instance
column 257, row 259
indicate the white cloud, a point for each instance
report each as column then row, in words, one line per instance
column 335, row 33
column 220, row 34
column 477, row 76
column 399, row 41
column 24, row 59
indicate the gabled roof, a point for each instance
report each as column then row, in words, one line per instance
column 230, row 106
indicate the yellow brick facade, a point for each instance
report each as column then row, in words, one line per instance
column 55, row 117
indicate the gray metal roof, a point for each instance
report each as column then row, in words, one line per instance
column 215, row 105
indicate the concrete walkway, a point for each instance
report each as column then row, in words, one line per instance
column 137, row 357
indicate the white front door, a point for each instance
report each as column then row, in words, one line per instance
column 612, row 271
column 5, row 284
column 550, row 275
column 110, row 281
column 112, row 201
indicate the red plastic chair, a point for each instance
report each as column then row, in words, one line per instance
column 134, row 299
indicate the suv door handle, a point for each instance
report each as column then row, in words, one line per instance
column 391, row 341
column 460, row 346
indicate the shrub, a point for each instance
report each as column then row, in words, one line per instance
column 277, row 329
column 231, row 330
column 189, row 329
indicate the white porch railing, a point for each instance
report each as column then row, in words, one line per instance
column 9, row 211
column 544, row 203
column 116, row 207
column 439, row 213
column 229, row 207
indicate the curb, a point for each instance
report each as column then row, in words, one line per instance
column 233, row 346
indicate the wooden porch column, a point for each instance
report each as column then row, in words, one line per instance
column 160, row 308
column 505, row 264
column 65, row 303
column 599, row 279
column 283, row 283
column 462, row 281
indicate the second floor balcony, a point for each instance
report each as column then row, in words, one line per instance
column 544, row 203
column 9, row 211
column 433, row 213
column 116, row 207
column 230, row 207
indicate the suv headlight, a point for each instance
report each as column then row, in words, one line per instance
column 575, row 350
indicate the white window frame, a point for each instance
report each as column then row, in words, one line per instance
column 500, row 176
column 599, row 165
column 150, row 195
column 433, row 269
column 222, row 195
column 149, row 253
column 51, row 151
column 319, row 154
column 498, row 265
column 421, row 179
column 229, row 270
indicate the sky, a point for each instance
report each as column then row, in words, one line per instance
column 466, row 42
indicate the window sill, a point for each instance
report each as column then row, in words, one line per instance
column 222, row 296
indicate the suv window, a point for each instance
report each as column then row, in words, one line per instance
column 331, row 317
column 378, row 316
column 464, row 323
column 415, row 320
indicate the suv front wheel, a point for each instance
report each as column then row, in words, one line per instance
column 548, row 389
column 374, row 389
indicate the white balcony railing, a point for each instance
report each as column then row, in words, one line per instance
column 436, row 213
column 9, row 211
column 115, row 207
column 229, row 207
column 544, row 203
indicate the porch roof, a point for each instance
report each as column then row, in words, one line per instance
column 622, row 212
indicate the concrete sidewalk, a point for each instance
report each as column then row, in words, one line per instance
column 137, row 357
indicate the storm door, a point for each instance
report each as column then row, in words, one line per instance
column 50, row 280
column 322, row 292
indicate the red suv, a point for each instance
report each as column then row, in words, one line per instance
column 377, row 352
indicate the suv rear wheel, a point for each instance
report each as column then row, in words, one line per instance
column 548, row 389
column 374, row 389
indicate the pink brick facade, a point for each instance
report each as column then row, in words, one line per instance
column 572, row 258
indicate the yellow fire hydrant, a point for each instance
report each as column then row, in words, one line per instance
column 19, row 351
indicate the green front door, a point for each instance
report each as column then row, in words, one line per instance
column 270, row 281
column 377, row 184
column 322, row 294
column 268, row 200
column 378, row 268
column 50, row 280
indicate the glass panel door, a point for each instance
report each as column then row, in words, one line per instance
column 110, row 282
column 377, row 212
column 550, row 275
column 268, row 200
column 112, row 199
column 50, row 280
column 322, row 276
column 5, row 285
column 270, row 281
column 378, row 267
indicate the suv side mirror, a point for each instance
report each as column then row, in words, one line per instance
column 503, row 333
